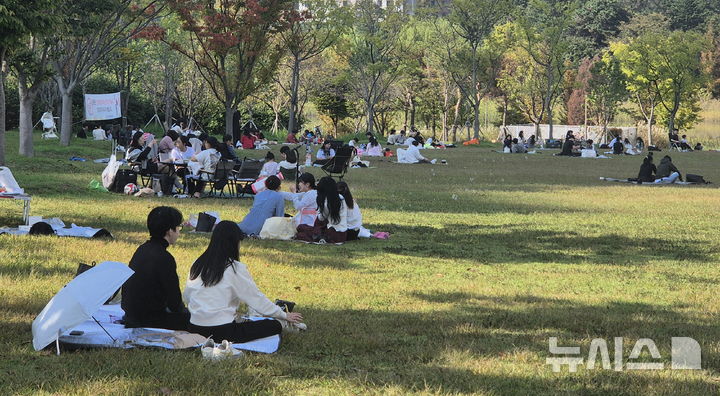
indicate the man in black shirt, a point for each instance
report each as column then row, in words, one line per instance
column 151, row 297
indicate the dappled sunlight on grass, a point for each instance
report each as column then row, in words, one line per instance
column 488, row 257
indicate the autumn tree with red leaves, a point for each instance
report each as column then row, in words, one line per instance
column 231, row 42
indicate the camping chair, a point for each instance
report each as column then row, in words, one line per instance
column 338, row 165
column 48, row 123
column 289, row 174
column 224, row 177
column 247, row 175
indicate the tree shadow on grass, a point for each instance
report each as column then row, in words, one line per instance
column 517, row 244
column 426, row 350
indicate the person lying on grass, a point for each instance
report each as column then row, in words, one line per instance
column 219, row 282
column 151, row 296
column 266, row 204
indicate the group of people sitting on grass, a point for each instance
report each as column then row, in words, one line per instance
column 217, row 284
column 519, row 145
column 665, row 173
column 326, row 211
column 682, row 143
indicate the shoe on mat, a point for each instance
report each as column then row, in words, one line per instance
column 208, row 349
column 225, row 350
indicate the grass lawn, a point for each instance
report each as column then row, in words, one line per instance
column 488, row 257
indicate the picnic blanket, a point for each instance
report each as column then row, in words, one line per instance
column 680, row 183
column 91, row 335
column 61, row 230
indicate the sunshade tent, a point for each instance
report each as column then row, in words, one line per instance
column 78, row 301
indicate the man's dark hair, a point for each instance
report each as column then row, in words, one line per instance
column 227, row 138
column 162, row 219
column 272, row 183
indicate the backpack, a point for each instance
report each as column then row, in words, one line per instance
column 695, row 179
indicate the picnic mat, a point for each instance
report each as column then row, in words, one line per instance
column 63, row 231
column 93, row 336
column 677, row 183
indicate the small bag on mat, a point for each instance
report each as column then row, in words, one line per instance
column 695, row 179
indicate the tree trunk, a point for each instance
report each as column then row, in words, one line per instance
column 169, row 101
column 294, row 87
column 229, row 111
column 26, row 125
column 446, row 101
column 456, row 115
column 411, row 103
column 2, row 107
column 66, row 117
column 370, row 117
column 476, row 95
column 650, row 122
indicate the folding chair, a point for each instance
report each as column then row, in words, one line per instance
column 224, row 177
column 247, row 175
column 338, row 165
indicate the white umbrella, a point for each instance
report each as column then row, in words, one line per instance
column 78, row 301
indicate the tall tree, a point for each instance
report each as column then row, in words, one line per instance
column 231, row 42
column 312, row 29
column 92, row 30
column 545, row 35
column 606, row 88
column 372, row 49
column 473, row 21
column 19, row 19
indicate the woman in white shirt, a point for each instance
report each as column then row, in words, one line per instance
column 354, row 217
column 270, row 168
column 331, row 223
column 304, row 200
column 183, row 151
column 203, row 166
column 218, row 283
column 325, row 154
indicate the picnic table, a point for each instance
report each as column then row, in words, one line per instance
column 26, row 203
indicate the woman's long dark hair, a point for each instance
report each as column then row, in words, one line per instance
column 327, row 191
column 223, row 249
column 326, row 150
column 135, row 141
column 344, row 190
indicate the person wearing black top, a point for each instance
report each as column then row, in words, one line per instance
column 647, row 170
column 569, row 145
column 151, row 297
column 227, row 150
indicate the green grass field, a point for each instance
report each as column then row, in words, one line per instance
column 489, row 256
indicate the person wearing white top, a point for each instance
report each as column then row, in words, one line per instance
column 202, row 165
column 325, row 154
column 304, row 200
column 99, row 134
column 218, row 283
column 412, row 155
column 270, row 168
column 354, row 217
column 182, row 151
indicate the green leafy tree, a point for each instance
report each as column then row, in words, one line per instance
column 472, row 21
column 232, row 43
column 372, row 49
column 21, row 24
column 607, row 88
column 596, row 23
column 544, row 34
column 91, row 30
column 312, row 29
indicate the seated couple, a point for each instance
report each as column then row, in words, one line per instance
column 412, row 155
column 324, row 212
column 665, row 173
column 217, row 284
